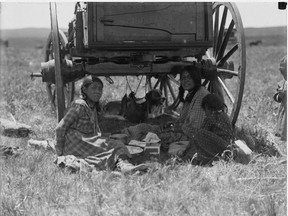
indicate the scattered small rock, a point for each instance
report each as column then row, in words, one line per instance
column 7, row 151
column 42, row 144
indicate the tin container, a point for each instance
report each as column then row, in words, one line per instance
column 153, row 148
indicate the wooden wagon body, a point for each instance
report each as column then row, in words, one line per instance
column 149, row 39
column 145, row 26
column 138, row 34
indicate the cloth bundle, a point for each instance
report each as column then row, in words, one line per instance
column 14, row 129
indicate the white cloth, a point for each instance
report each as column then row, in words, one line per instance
column 151, row 138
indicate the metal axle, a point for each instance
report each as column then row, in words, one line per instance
column 72, row 71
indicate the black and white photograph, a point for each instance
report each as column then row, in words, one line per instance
column 143, row 108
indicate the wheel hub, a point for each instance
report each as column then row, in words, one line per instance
column 209, row 68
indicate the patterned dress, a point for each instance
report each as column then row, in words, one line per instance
column 78, row 134
column 214, row 136
column 192, row 114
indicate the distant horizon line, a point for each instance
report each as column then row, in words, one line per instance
column 67, row 28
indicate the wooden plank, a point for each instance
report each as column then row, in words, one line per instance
column 79, row 31
column 111, row 69
column 112, row 50
column 85, row 29
column 90, row 23
column 167, row 16
column 209, row 21
column 100, row 26
column 134, row 22
column 200, row 22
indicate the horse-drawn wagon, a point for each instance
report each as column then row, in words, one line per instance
column 148, row 39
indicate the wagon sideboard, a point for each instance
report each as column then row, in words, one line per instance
column 159, row 28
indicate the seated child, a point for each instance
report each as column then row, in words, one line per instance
column 281, row 97
column 215, row 135
column 79, row 134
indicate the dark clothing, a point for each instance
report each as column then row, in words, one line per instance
column 219, row 124
column 78, row 134
column 281, row 97
column 209, row 142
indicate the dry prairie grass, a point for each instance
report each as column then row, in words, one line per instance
column 31, row 184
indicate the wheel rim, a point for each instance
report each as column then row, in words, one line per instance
column 69, row 88
column 230, row 55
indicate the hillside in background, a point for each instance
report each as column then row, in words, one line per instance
column 275, row 36
column 35, row 37
column 26, row 38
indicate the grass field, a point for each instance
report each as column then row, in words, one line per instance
column 31, row 184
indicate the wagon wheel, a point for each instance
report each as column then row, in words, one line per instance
column 229, row 52
column 57, row 98
column 69, row 88
column 168, row 85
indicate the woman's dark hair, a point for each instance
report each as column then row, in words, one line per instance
column 213, row 102
column 86, row 83
column 195, row 74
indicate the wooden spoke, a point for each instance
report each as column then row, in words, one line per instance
column 148, row 82
column 225, row 41
column 171, row 89
column 229, row 52
column 177, row 82
column 161, row 84
column 229, row 94
column 206, row 81
column 216, row 26
column 222, row 71
column 167, row 84
column 166, row 92
column 222, row 27
column 157, row 83
column 221, row 62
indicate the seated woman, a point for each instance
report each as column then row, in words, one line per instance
column 78, row 133
column 191, row 115
column 215, row 134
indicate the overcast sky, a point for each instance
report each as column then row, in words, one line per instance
column 25, row 14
